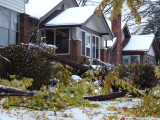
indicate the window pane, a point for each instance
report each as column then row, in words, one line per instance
column 94, row 47
column 97, row 47
column 88, row 45
column 4, row 18
column 14, row 37
column 14, row 21
column 134, row 59
column 125, row 60
column 83, row 43
column 50, row 36
column 3, row 37
column 62, row 40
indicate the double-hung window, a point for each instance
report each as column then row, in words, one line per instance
column 85, row 44
column 95, row 47
column 88, row 45
column 9, row 27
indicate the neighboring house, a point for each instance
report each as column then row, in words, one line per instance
column 141, row 49
column 78, row 33
column 132, row 48
column 12, row 26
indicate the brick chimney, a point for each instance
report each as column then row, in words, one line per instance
column 117, row 51
column 24, row 28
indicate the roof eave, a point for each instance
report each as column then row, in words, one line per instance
column 62, row 26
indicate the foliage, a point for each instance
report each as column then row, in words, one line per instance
column 157, row 72
column 27, row 61
column 117, row 6
column 58, row 97
column 23, row 84
column 142, row 75
column 62, row 73
column 149, row 106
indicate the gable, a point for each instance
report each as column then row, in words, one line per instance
column 42, row 9
column 151, row 51
column 99, row 24
column 63, row 5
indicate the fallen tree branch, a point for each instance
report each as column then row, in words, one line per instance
column 15, row 94
column 66, row 61
column 109, row 96
column 13, row 90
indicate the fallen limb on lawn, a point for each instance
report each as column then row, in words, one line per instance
column 4, row 89
column 109, row 96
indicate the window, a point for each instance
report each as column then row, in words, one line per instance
column 95, row 47
column 149, row 60
column 83, row 43
column 60, row 38
column 88, row 45
column 125, row 60
column 9, row 27
column 128, row 59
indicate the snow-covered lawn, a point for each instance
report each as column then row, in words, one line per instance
column 107, row 110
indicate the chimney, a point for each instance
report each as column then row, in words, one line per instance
column 117, row 51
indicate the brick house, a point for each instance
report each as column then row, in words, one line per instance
column 76, row 31
column 131, row 48
column 83, row 37
column 13, row 28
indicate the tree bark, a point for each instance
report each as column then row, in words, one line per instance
column 109, row 96
column 4, row 89
column 69, row 62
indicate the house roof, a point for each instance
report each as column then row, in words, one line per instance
column 139, row 43
column 38, row 8
column 72, row 16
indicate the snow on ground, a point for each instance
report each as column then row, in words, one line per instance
column 107, row 110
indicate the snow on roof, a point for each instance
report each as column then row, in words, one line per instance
column 139, row 43
column 110, row 43
column 73, row 16
column 38, row 8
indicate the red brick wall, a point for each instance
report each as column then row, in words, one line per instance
column 117, row 51
column 79, row 58
column 24, row 28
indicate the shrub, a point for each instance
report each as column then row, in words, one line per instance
column 27, row 61
column 142, row 75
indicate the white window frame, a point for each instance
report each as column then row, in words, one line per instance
column 91, row 47
column 9, row 29
column 129, row 58
column 90, row 40
column 95, row 46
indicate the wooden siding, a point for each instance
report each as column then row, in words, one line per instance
column 15, row 5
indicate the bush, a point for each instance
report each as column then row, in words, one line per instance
column 142, row 75
column 27, row 61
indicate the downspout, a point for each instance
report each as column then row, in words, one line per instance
column 74, row 47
